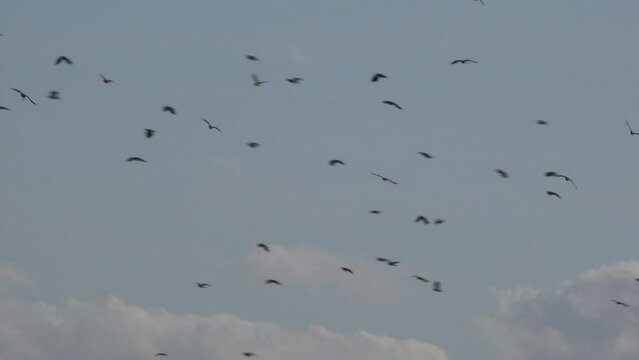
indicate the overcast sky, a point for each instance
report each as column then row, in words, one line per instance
column 100, row 256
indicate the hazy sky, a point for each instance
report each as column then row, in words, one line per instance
column 105, row 254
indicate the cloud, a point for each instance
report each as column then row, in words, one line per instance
column 574, row 320
column 11, row 275
column 111, row 329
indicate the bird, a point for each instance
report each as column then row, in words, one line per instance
column 294, row 80
column 374, row 211
column 629, row 128
column 345, row 269
column 438, row 221
column 148, row 133
column 249, row 354
column 378, row 76
column 161, row 354
column 135, row 158
column 23, row 96
column 420, row 278
column 426, row 155
column 264, row 246
column 384, row 178
column 620, row 303
column 252, row 58
column 253, row 145
column 4, row 108
column 257, row 81
column 169, row 109
column 552, row 193
column 437, row 286
column 336, row 162
column 202, row 285
column 421, row 218
column 63, row 59
column 105, row 80
column 271, row 281
column 392, row 263
column 542, row 122
column 211, row 127
column 381, row 259
column 555, row 174
column 463, row 61
column 54, row 95
column 637, row 279
column 502, row 173
column 392, row 103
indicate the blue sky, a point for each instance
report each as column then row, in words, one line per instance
column 82, row 223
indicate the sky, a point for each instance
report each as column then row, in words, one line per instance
column 99, row 256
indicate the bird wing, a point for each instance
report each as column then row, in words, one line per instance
column 206, row 121
column 28, row 98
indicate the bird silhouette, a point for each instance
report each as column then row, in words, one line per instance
column 420, row 278
column 148, row 133
column 381, row 259
column 54, row 95
column 392, row 103
column 249, row 354
column 463, row 61
column 252, row 58
column 264, row 246
column 502, row 173
column 421, row 218
column 374, row 211
column 63, row 59
column 384, row 178
column 4, row 108
column 336, row 162
column 211, row 127
column 552, row 193
column 23, row 96
column 202, row 285
column 135, row 158
column 555, row 174
column 257, row 81
column 426, row 155
column 106, row 80
column 620, row 303
column 629, row 128
column 294, row 80
column 271, row 281
column 169, row 109
column 161, row 354
column 437, row 286
column 378, row 76
column 438, row 221
column 345, row 269
column 542, row 122
column 253, row 145
column 392, row 263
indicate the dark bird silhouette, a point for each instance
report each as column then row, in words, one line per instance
column 629, row 128
column 249, row 354
column 637, row 279
column 374, row 211
column 202, row 285
column 253, row 145
column 463, row 61
column 438, row 221
column 437, row 286
column 271, row 281
column 63, row 59
column 294, row 80
column 392, row 103
column 54, row 95
column 552, row 193
column 542, row 122
column 336, row 162
column 23, row 96
column 169, row 109
column 620, row 303
column 161, row 354
column 105, row 80
column 381, row 259
column 421, row 218
column 4, row 108
column 257, row 81
column 345, row 269
column 378, row 76
column 392, row 263
column 420, row 278
column 426, row 155
column 384, row 178
column 264, row 246
column 502, row 173
column 554, row 174
column 211, row 127
column 135, row 158
column 148, row 133
column 252, row 58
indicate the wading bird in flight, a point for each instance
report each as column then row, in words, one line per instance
column 502, row 173
column 378, row 76
column 257, row 81
column 271, row 281
column 23, row 96
column 552, row 193
column 392, row 103
column 148, row 133
column 264, row 246
column 63, row 59
column 384, row 178
column 135, row 158
column 629, row 128
column 105, row 80
column 211, row 127
column 554, row 174
column 202, row 285
column 336, row 162
column 463, row 61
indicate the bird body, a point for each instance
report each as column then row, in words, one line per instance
column 161, row 354
column 384, row 178
column 438, row 221
column 253, row 145
column 336, row 162
column 4, row 108
column 392, row 263
column 211, row 127
column 542, row 122
column 423, row 219
column 374, row 211
column 294, row 80
column 392, row 103
column 252, row 58
column 23, row 96
column 463, row 61
column 105, row 80
column 378, row 76
column 345, row 269
column 249, row 354
column 148, row 133
column 135, row 158
column 264, row 246
column 169, row 109
column 420, row 278
column 426, row 155
column 63, row 59
column 620, row 303
column 202, row 285
column 552, row 193
column 502, row 173
column 437, row 286
column 54, row 95
column 272, row 281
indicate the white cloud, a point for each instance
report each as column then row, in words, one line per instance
column 111, row 329
column 575, row 320
column 10, row 274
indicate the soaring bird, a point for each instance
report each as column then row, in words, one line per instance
column 378, row 76
column 253, row 145
column 381, row 259
column 257, row 81
column 249, row 354
column 542, row 122
column 54, row 95
column 264, row 246
column 502, row 173
column 426, row 155
column 4, row 108
column 374, row 211
column 252, row 58
column 345, row 269
column 438, row 221
column 63, row 59
column 202, row 285
column 392, row 103
column 384, row 178
column 420, row 278
column 211, row 127
column 105, row 80
column 294, row 80
column 421, row 218
column 169, row 109
column 620, row 303
column 554, row 174
column 271, row 281
column 437, row 286
column 148, row 133
column 552, row 193
column 23, row 96
column 463, row 61
column 161, row 354
column 336, row 162
column 392, row 263
column 135, row 158
column 629, row 128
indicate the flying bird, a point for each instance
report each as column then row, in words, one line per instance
column 437, row 286
column 202, row 285
column 135, row 158
column 345, row 269
column 502, row 173
column 629, row 128
column 23, row 96
column 374, row 211
column 148, row 133
column 211, row 127
column 294, row 80
column 264, row 246
column 257, row 81
column 423, row 219
column 271, row 281
column 336, row 162
column 426, row 155
column 378, row 76
column 381, row 259
column 542, row 122
column 392, row 263
column 552, row 193
column 420, row 278
column 4, row 108
column 249, row 354
column 392, row 103
column 620, row 303
column 554, row 174
column 438, row 221
column 105, row 80
column 169, row 109
column 161, row 354
column 54, row 95
column 384, row 178
column 253, row 145
column 63, row 59
column 252, row 58
column 463, row 61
